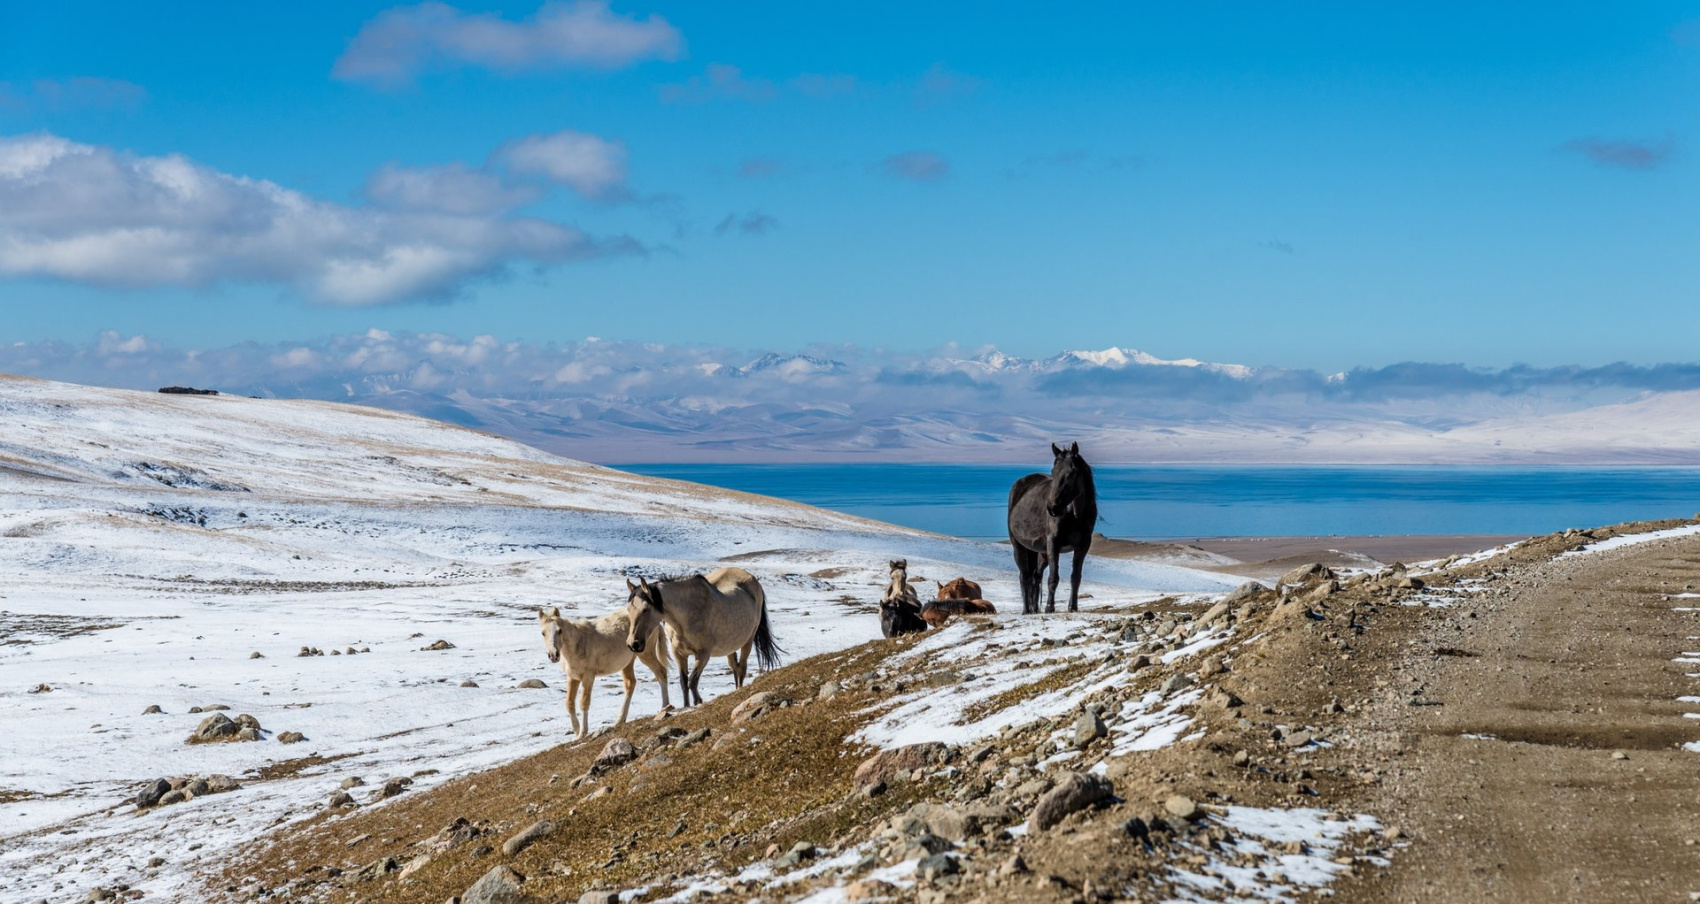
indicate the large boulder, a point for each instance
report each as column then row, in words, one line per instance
column 498, row 886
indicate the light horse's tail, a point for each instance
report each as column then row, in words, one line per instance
column 767, row 652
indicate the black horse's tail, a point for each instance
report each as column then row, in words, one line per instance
column 767, row 652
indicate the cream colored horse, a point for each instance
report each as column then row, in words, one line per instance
column 723, row 613
column 586, row 648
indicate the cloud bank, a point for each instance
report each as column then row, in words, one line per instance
column 627, row 401
column 399, row 44
column 99, row 216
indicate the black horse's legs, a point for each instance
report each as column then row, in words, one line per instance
column 1074, row 578
column 1053, row 575
column 1027, row 562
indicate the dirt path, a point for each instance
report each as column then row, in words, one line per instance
column 1575, row 786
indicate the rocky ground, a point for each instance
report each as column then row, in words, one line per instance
column 1506, row 727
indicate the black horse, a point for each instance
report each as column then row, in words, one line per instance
column 1048, row 516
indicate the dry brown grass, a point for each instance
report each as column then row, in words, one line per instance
column 778, row 779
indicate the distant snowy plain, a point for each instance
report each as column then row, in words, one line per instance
column 149, row 544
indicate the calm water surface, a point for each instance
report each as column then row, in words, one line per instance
column 1179, row 502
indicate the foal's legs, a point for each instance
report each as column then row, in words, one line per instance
column 629, row 675
column 683, row 661
column 572, row 707
column 584, row 703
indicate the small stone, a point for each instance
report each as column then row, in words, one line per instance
column 827, row 691
column 885, row 765
column 152, row 710
column 1139, row 662
column 1297, row 739
column 1013, row 866
column 176, row 796
column 469, row 683
column 864, row 889
column 1074, row 792
column 1088, row 728
column 218, row 783
column 599, row 897
column 154, row 862
column 350, row 651
column 392, row 788
column 151, row 793
column 1182, row 807
column 498, row 886
column 529, row 684
column 1176, row 682
column 291, row 737
column 756, row 705
column 1619, row 755
column 215, row 727
column 340, row 799
column 255, row 655
column 1242, row 758
column 937, row 866
column 1135, row 827
column 440, row 645
column 617, row 752
column 248, row 734
column 527, row 836
column 353, row 781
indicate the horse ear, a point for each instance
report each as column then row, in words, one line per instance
column 1074, row 448
column 555, row 612
column 1055, row 451
column 630, row 587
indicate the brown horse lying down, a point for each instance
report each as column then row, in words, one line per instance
column 937, row 612
column 959, row 589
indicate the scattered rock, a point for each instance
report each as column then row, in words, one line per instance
column 216, row 727
column 469, row 683
column 248, row 733
column 599, row 897
column 255, row 655
column 218, row 783
column 756, row 705
column 42, row 689
column 1244, row 592
column 391, row 788
column 1088, row 728
column 828, row 690
column 498, row 886
column 440, row 645
column 1182, row 807
column 864, row 889
column 529, row 683
column 1134, row 827
column 1076, row 791
column 800, row 853
column 937, row 866
column 353, row 781
column 1297, row 739
column 1305, row 574
column 616, row 753
column 884, row 766
column 309, row 651
column 152, row 710
column 340, row 799
column 1619, row 755
column 291, row 737
column 526, row 837
column 151, row 793
column 1176, row 682
column 175, row 796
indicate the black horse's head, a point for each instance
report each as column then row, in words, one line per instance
column 1068, row 479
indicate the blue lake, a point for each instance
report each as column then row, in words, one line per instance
column 1207, row 501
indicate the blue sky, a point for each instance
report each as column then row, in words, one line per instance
column 1316, row 185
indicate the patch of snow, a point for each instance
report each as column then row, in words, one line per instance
column 1623, row 540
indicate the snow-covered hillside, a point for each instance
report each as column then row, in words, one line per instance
column 151, row 544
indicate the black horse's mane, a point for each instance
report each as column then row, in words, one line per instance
column 1088, row 488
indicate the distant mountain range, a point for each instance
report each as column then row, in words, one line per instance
column 627, row 401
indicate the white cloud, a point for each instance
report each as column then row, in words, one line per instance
column 453, row 189
column 400, row 43
column 719, row 81
column 916, row 166
column 95, row 215
column 594, row 167
column 75, row 93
